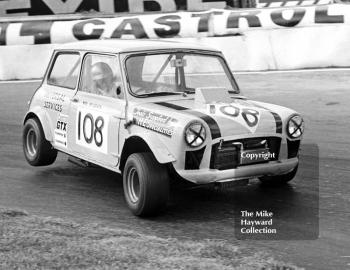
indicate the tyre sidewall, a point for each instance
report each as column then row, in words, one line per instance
column 33, row 124
column 137, row 207
column 154, row 184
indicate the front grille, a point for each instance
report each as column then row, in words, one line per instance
column 226, row 155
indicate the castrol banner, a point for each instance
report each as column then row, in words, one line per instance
column 211, row 23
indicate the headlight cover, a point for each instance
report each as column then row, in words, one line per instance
column 195, row 134
column 295, row 126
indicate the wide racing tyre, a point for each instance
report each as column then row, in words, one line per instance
column 278, row 180
column 37, row 150
column 146, row 184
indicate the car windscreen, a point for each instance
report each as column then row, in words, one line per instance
column 177, row 73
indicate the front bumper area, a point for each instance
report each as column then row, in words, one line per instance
column 205, row 176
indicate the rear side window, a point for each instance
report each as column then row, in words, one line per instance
column 65, row 70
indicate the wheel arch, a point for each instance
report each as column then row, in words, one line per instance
column 144, row 143
column 44, row 121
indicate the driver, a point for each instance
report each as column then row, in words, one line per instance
column 103, row 81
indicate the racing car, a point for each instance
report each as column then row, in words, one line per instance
column 149, row 109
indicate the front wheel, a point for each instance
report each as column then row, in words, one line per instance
column 146, row 184
column 277, row 180
column 37, row 150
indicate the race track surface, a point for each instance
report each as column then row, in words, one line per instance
column 96, row 195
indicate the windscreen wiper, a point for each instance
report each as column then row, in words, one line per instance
column 152, row 94
column 233, row 92
column 188, row 91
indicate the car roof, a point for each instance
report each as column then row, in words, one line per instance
column 124, row 45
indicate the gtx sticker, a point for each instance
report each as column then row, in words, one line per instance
column 92, row 130
column 154, row 121
column 62, row 126
column 60, row 132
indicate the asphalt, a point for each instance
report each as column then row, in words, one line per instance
column 312, row 213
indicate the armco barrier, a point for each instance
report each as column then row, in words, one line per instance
column 268, row 39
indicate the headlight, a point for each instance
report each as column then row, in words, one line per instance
column 195, row 134
column 295, row 126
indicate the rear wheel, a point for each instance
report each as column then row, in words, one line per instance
column 37, row 150
column 277, row 180
column 146, row 184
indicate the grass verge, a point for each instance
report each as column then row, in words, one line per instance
column 32, row 242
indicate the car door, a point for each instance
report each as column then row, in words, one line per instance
column 61, row 84
column 95, row 115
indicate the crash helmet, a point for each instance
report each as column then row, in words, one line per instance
column 102, row 74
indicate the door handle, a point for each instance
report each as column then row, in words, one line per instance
column 75, row 99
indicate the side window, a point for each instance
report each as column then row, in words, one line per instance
column 101, row 76
column 65, row 70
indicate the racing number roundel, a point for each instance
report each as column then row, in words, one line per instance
column 250, row 116
column 92, row 130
